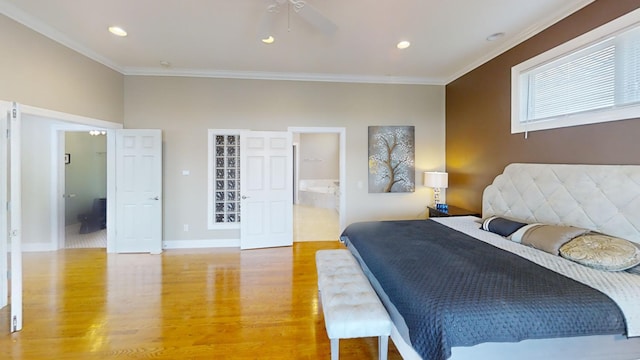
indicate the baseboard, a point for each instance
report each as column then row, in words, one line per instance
column 200, row 244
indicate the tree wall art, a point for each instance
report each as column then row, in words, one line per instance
column 391, row 159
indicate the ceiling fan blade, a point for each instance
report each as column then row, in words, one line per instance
column 314, row 17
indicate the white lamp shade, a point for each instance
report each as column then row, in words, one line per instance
column 435, row 179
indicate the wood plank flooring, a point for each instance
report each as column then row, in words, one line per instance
column 183, row 304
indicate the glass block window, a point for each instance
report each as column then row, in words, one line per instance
column 224, row 179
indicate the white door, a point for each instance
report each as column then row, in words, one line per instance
column 139, row 191
column 11, row 217
column 5, row 111
column 266, row 185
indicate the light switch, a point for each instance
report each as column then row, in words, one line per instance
column 186, row 172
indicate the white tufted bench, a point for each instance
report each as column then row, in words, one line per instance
column 350, row 305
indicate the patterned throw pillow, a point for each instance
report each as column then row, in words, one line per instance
column 602, row 252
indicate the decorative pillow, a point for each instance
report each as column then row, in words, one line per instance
column 602, row 252
column 501, row 226
column 550, row 238
column 635, row 269
column 517, row 236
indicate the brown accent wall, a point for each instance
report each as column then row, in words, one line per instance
column 479, row 143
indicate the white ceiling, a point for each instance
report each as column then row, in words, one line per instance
column 218, row 38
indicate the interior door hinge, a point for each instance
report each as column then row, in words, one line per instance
column 15, row 323
column 14, row 113
column 8, row 134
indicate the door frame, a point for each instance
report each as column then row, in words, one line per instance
column 342, row 134
column 70, row 122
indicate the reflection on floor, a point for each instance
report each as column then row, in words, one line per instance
column 313, row 224
column 310, row 224
column 85, row 304
column 75, row 240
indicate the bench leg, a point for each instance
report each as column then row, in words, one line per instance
column 383, row 347
column 335, row 349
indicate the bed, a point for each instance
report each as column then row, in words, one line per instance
column 457, row 291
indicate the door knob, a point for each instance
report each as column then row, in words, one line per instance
column 155, row 198
column 244, row 197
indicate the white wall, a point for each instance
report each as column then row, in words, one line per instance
column 184, row 108
column 37, row 184
column 319, row 156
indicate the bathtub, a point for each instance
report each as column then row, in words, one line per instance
column 321, row 193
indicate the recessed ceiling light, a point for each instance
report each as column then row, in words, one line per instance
column 403, row 44
column 495, row 36
column 268, row 40
column 165, row 64
column 117, row 31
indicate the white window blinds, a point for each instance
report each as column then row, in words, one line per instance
column 602, row 76
column 628, row 67
column 593, row 78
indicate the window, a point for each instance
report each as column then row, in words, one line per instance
column 224, row 179
column 593, row 78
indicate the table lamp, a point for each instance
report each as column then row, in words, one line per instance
column 436, row 180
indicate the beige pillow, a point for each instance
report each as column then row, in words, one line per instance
column 550, row 238
column 519, row 234
column 602, row 252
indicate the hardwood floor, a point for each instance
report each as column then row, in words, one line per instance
column 313, row 224
column 183, row 304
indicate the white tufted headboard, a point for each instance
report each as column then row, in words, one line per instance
column 604, row 198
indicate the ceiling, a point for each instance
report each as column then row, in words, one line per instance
column 219, row 38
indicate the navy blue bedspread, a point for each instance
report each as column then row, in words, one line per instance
column 453, row 290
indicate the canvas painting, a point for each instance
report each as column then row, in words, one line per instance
column 391, row 159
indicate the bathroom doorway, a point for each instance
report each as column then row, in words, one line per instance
column 318, row 178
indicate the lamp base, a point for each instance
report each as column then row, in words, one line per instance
column 436, row 197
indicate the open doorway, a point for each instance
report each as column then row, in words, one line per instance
column 85, row 184
column 43, row 169
column 319, row 172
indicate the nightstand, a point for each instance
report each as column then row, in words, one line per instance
column 451, row 211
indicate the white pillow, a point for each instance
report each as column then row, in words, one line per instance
column 602, row 252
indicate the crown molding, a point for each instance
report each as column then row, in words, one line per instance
column 263, row 75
